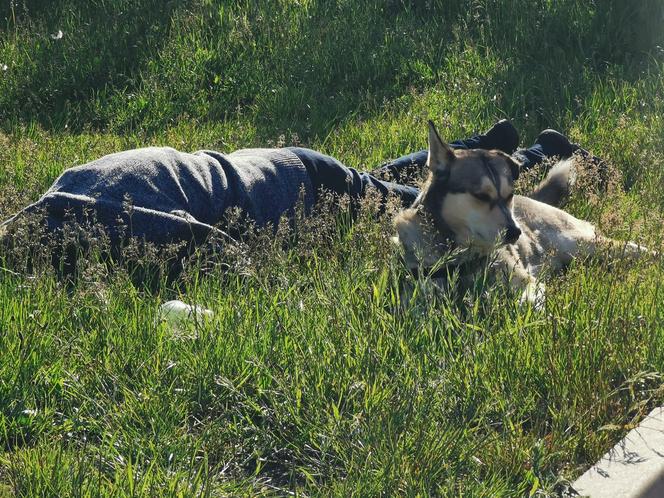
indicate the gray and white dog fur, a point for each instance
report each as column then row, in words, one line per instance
column 467, row 208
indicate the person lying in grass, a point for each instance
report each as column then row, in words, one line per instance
column 164, row 196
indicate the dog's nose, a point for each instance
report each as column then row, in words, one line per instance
column 512, row 234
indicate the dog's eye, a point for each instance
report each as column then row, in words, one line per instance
column 482, row 197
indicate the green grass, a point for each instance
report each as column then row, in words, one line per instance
column 312, row 378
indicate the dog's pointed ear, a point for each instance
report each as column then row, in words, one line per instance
column 514, row 164
column 515, row 167
column 441, row 155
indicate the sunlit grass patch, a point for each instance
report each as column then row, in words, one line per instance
column 314, row 375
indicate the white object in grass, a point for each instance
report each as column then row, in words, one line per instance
column 178, row 311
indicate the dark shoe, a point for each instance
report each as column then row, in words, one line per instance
column 554, row 143
column 502, row 136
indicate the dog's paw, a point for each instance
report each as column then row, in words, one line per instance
column 535, row 295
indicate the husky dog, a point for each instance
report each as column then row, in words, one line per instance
column 468, row 212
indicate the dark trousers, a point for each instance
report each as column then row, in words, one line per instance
column 392, row 178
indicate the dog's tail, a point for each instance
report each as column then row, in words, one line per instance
column 556, row 187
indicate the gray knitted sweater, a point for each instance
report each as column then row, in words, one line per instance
column 165, row 195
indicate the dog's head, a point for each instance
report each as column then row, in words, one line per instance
column 468, row 195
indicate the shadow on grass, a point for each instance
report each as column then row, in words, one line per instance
column 302, row 68
column 63, row 58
